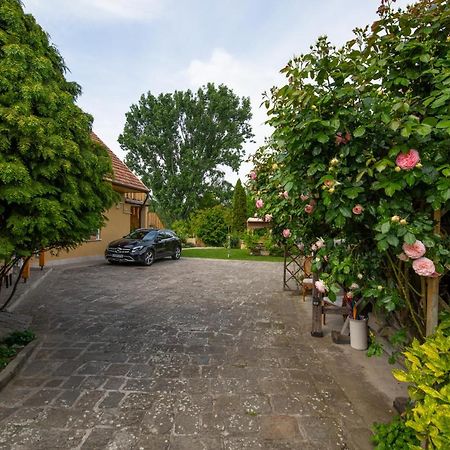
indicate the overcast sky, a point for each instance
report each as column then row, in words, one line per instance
column 119, row 49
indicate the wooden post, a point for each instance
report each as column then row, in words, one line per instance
column 42, row 259
column 26, row 271
column 316, row 329
column 433, row 288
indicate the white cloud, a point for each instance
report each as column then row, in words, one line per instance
column 99, row 10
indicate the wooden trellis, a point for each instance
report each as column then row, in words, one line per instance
column 293, row 268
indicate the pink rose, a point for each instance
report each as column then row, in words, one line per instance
column 286, row 232
column 253, row 175
column 301, row 246
column 402, row 257
column 424, row 267
column 408, row 161
column 354, row 286
column 286, row 194
column 259, row 203
column 349, row 295
column 309, row 208
column 357, row 209
column 304, row 197
column 320, row 243
column 415, row 250
column 313, row 247
column 328, row 183
column 268, row 218
column 320, row 286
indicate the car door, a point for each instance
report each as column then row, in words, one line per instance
column 161, row 245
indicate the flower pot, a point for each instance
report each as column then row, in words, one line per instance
column 358, row 334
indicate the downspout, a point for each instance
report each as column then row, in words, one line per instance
column 142, row 207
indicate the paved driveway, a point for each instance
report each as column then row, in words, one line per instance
column 192, row 354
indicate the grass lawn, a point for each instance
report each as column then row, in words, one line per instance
column 222, row 253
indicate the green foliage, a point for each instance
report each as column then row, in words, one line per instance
column 177, row 142
column 19, row 338
column 375, row 348
column 52, row 175
column 211, row 225
column 225, row 253
column 341, row 122
column 428, row 375
column 239, row 207
column 235, row 240
column 12, row 344
column 182, row 228
column 394, row 435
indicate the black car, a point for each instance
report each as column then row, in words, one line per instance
column 144, row 246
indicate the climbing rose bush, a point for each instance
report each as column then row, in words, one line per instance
column 361, row 146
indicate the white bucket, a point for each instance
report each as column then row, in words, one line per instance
column 358, row 334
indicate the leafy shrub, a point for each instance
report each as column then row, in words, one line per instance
column 182, row 228
column 12, row 343
column 212, row 226
column 428, row 372
column 394, row 435
column 235, row 241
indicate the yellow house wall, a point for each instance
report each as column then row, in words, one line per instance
column 117, row 225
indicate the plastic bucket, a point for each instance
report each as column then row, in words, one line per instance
column 358, row 334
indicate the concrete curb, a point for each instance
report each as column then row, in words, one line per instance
column 32, row 286
column 13, row 368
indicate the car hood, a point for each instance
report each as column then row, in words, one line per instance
column 125, row 243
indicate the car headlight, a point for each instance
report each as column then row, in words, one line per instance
column 136, row 249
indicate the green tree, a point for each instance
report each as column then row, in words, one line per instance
column 239, row 207
column 360, row 156
column 180, row 142
column 52, row 176
column 211, row 225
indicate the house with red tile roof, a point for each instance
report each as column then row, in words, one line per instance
column 129, row 213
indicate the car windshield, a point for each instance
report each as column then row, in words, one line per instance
column 142, row 234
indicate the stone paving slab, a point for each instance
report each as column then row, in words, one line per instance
column 190, row 354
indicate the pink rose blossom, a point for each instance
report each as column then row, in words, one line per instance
column 253, row 175
column 286, row 194
column 309, row 208
column 301, row 246
column 357, row 209
column 402, row 257
column 320, row 286
column 408, row 161
column 313, row 247
column 286, row 232
column 354, row 286
column 328, row 183
column 415, row 250
column 259, row 203
column 349, row 295
column 304, row 197
column 268, row 218
column 320, row 243
column 424, row 267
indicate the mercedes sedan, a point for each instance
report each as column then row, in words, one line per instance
column 144, row 246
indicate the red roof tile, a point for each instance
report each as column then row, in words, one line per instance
column 123, row 176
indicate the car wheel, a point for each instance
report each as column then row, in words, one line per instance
column 149, row 258
column 177, row 253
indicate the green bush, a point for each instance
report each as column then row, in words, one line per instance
column 12, row 344
column 235, row 241
column 394, row 435
column 182, row 229
column 212, row 226
column 428, row 374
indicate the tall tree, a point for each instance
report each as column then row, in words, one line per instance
column 239, row 207
column 179, row 143
column 52, row 176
